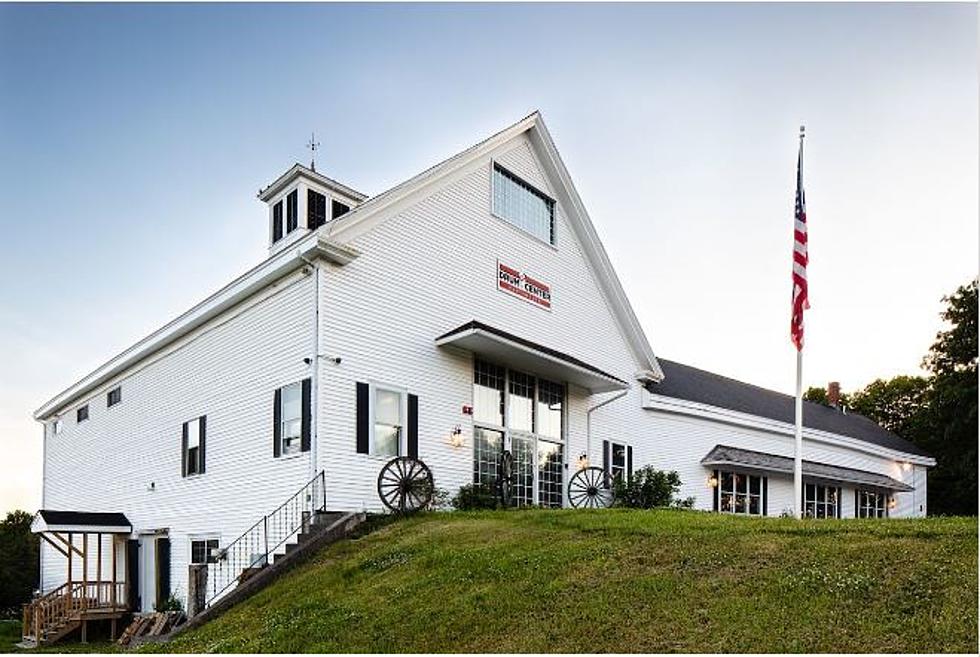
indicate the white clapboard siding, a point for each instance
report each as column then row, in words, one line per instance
column 228, row 370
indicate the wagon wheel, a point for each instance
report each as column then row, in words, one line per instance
column 590, row 488
column 505, row 478
column 405, row 485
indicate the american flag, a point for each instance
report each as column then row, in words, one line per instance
column 801, row 301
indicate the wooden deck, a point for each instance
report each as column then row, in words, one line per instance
column 71, row 606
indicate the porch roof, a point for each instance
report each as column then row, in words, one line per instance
column 521, row 353
column 80, row 522
column 723, row 455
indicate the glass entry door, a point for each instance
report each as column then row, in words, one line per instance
column 524, row 415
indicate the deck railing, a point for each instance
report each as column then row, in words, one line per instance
column 69, row 602
column 258, row 543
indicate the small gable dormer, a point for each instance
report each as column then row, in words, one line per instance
column 302, row 200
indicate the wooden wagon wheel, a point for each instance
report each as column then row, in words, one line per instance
column 590, row 488
column 505, row 478
column 405, row 485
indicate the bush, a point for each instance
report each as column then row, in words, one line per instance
column 472, row 497
column 648, row 488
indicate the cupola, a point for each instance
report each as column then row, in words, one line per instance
column 302, row 200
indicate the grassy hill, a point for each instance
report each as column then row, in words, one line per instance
column 619, row 581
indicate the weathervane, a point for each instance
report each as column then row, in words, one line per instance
column 313, row 145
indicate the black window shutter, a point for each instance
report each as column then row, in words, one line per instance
column 305, row 430
column 132, row 574
column 839, row 493
column 715, row 491
column 413, row 426
column 857, row 511
column 362, row 418
column 605, row 461
column 629, row 463
column 765, row 496
column 163, row 571
column 277, row 423
column 183, row 450
column 200, row 448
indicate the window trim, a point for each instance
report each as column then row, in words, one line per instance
column 719, row 475
column 283, row 454
column 885, row 506
column 186, row 456
column 201, row 538
column 494, row 165
column 78, row 414
column 821, row 502
column 373, row 387
column 108, row 397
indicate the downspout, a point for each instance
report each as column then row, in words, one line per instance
column 588, row 420
column 315, row 374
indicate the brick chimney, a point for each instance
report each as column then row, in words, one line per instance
column 833, row 393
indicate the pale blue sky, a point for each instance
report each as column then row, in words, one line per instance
column 133, row 140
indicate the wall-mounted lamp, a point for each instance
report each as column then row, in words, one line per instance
column 906, row 466
column 713, row 481
column 583, row 461
column 892, row 502
column 456, row 437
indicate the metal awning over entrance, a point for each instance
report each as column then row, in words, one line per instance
column 520, row 353
column 80, row 522
column 744, row 459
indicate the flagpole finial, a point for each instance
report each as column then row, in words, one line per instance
column 802, row 131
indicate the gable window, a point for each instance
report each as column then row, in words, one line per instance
column 81, row 414
column 192, row 446
column 113, row 397
column 57, row 426
column 522, row 205
column 389, row 422
column 871, row 504
column 338, row 209
column 316, row 209
column 821, row 501
column 277, row 222
column 204, row 551
column 740, row 493
column 291, row 211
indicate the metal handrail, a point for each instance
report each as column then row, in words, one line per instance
column 254, row 547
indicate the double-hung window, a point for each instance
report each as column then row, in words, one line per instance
column 740, row 493
column 204, row 550
column 192, row 446
column 821, row 501
column 81, row 414
column 871, row 504
column 389, row 422
column 113, row 397
column 521, row 204
column 291, row 422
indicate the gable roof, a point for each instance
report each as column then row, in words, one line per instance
column 366, row 215
column 691, row 384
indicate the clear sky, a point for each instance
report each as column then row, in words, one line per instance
column 133, row 140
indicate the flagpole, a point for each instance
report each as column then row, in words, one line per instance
column 798, row 450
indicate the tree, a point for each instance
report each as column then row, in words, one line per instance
column 900, row 405
column 18, row 562
column 818, row 395
column 952, row 360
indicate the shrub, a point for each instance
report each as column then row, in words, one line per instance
column 472, row 497
column 648, row 488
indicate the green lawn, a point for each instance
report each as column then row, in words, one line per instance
column 619, row 581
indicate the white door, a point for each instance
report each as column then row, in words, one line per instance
column 148, row 572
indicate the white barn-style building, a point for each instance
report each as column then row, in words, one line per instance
column 468, row 311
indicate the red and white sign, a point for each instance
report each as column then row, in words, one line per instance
column 514, row 281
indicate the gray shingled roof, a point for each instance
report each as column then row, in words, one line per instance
column 723, row 455
column 691, row 384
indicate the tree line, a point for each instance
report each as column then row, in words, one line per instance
column 937, row 411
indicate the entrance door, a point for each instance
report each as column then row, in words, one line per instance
column 148, row 572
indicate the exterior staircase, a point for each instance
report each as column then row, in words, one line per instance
column 60, row 611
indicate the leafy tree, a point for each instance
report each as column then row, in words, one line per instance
column 952, row 360
column 900, row 404
column 818, row 395
column 19, row 562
